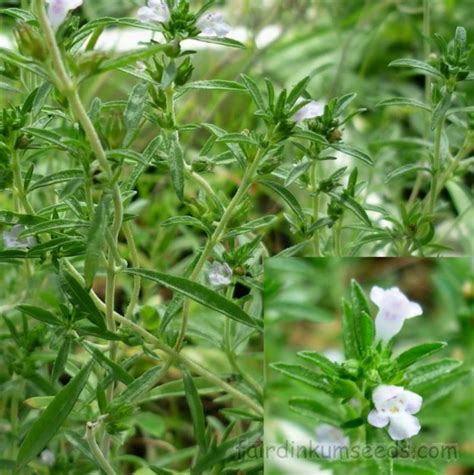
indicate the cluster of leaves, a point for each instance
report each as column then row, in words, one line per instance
column 342, row 392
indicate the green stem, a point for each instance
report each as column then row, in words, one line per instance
column 229, row 351
column 213, row 378
column 136, row 263
column 18, row 182
column 436, row 166
column 315, row 206
column 217, row 236
column 96, row 452
column 190, row 363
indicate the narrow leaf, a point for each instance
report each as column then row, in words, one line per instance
column 40, row 314
column 416, row 353
column 49, row 422
column 200, row 294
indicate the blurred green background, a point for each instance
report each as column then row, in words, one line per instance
column 302, row 305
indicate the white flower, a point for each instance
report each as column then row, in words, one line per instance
column 330, row 441
column 309, row 111
column 11, row 240
column 213, row 24
column 395, row 406
column 48, row 458
column 219, row 274
column 157, row 10
column 58, row 10
column 394, row 309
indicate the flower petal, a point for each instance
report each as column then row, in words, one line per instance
column 403, row 426
column 387, row 325
column 384, row 392
column 412, row 309
column 377, row 419
column 412, row 401
column 146, row 14
column 377, row 295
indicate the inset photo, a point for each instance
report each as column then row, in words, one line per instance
column 369, row 366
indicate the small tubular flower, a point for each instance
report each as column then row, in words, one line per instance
column 58, row 10
column 395, row 406
column 156, row 10
column 213, row 24
column 309, row 111
column 394, row 309
column 12, row 241
column 331, row 440
column 219, row 274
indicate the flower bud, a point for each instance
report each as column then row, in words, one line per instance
column 202, row 164
column 30, row 42
column 184, row 73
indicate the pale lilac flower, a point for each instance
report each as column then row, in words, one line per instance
column 156, row 10
column 395, row 406
column 58, row 10
column 47, row 457
column 330, row 441
column 219, row 274
column 309, row 111
column 12, row 241
column 213, row 24
column 394, row 309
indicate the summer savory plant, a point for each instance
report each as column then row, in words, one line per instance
column 85, row 369
column 372, row 398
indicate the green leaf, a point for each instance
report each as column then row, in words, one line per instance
column 343, row 102
column 297, row 171
column 40, row 314
column 131, row 57
column 311, row 136
column 53, row 226
column 250, row 440
column 353, row 152
column 349, row 336
column 134, row 112
column 403, row 170
column 186, row 221
column 235, row 149
column 199, row 293
column 220, row 41
column 216, row 85
column 429, row 372
column 252, row 226
column 440, row 386
column 176, row 162
column 176, row 389
column 352, row 205
column 237, row 138
column 323, row 363
column 297, row 91
column 96, row 241
column 48, row 136
column 362, row 323
column 148, row 155
column 286, row 195
column 55, row 178
column 310, row 407
column 117, row 371
column 81, row 299
column 303, row 374
column 254, row 92
column 407, row 358
column 404, row 101
column 139, row 387
column 49, row 422
column 415, row 64
column 61, row 359
column 196, row 409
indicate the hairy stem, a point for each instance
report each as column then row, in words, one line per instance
column 315, row 206
column 436, row 167
column 217, row 236
column 96, row 452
